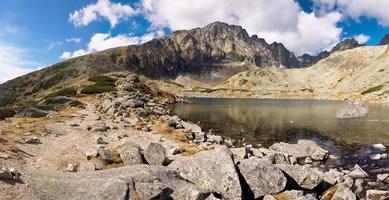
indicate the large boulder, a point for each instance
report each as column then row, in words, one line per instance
column 31, row 112
column 352, row 110
column 211, row 171
column 155, row 154
column 304, row 176
column 131, row 154
column 338, row 192
column 303, row 149
column 132, row 182
column 262, row 177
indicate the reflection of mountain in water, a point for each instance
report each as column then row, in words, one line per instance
column 268, row 121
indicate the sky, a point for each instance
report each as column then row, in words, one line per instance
column 36, row 34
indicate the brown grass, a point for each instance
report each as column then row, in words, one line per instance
column 179, row 137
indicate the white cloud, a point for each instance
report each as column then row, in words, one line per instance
column 103, row 41
column 53, row 45
column 362, row 38
column 355, row 9
column 13, row 62
column 113, row 12
column 73, row 40
column 8, row 29
column 276, row 20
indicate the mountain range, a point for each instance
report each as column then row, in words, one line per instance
column 209, row 55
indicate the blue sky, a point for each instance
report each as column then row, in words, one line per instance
column 35, row 34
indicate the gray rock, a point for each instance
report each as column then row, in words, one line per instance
column 303, row 148
column 155, row 154
column 377, row 195
column 358, row 186
column 305, row 177
column 32, row 140
column 379, row 146
column 56, row 129
column 72, row 167
column 9, row 174
column 352, row 110
column 91, row 153
column 214, row 139
column 261, row 177
column 131, row 182
column 4, row 155
column 295, row 195
column 358, row 172
column 131, row 154
column 100, row 127
column 31, row 112
column 343, row 193
column 382, row 177
column 105, row 155
column 211, row 171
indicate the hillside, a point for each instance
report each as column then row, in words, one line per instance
column 360, row 73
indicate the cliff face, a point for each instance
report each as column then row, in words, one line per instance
column 385, row 40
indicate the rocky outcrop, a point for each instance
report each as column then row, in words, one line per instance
column 31, row 112
column 345, row 44
column 211, row 171
column 385, row 40
column 131, row 154
column 135, row 182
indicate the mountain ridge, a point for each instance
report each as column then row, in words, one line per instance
column 210, row 54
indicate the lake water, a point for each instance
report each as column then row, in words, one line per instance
column 268, row 121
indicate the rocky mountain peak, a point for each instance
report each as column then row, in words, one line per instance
column 349, row 43
column 385, row 40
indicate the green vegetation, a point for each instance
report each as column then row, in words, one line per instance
column 6, row 112
column 373, row 89
column 96, row 89
column 102, row 84
column 69, row 92
column 101, row 78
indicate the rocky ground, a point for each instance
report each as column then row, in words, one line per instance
column 126, row 145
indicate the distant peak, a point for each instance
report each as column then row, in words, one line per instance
column 348, row 43
column 385, row 40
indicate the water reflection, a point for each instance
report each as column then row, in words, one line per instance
column 269, row 121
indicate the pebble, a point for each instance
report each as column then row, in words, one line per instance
column 91, row 153
column 375, row 157
column 72, row 167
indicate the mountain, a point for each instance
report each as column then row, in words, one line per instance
column 357, row 74
column 345, row 44
column 385, row 40
column 208, row 55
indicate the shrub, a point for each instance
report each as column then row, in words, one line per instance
column 96, row 89
column 373, row 89
column 68, row 92
column 6, row 112
column 101, row 78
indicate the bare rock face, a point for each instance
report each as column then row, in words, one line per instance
column 211, row 171
column 133, row 182
column 352, row 110
column 346, row 44
column 262, row 177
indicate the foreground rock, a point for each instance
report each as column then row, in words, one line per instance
column 352, row 110
column 377, row 195
column 155, row 154
column 305, row 177
column 131, row 154
column 9, row 174
column 303, row 149
column 262, row 177
column 135, row 182
column 211, row 171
